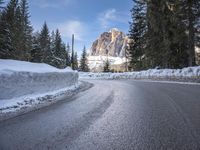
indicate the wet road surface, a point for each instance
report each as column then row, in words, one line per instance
column 112, row 115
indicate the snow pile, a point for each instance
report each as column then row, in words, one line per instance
column 190, row 72
column 23, row 81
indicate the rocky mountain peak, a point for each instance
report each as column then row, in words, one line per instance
column 110, row 43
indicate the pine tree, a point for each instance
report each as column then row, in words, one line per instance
column 191, row 14
column 137, row 33
column 8, row 30
column 52, row 42
column 44, row 40
column 174, row 39
column 63, row 55
column 75, row 61
column 15, row 31
column 26, row 30
column 36, row 55
column 1, row 6
column 17, row 39
column 68, row 59
column 154, row 51
column 6, row 48
column 58, row 51
column 166, row 37
column 58, row 44
column 84, row 62
column 106, row 67
column 165, row 33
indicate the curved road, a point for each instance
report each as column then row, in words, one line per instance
column 112, row 115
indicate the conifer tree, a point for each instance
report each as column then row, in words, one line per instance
column 1, row 6
column 164, row 33
column 62, row 55
column 17, row 38
column 75, row 61
column 58, row 44
column 191, row 15
column 6, row 48
column 84, row 62
column 15, row 31
column 44, row 41
column 137, row 33
column 166, row 36
column 18, row 42
column 8, row 30
column 72, row 60
column 106, row 67
column 36, row 55
column 26, row 30
column 68, row 58
column 58, row 50
column 52, row 42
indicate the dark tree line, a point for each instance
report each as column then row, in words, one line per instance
column 164, row 33
column 17, row 40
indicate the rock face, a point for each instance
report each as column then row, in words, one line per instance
column 112, row 43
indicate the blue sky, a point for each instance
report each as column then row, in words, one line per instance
column 87, row 19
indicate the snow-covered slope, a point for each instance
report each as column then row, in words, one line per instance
column 185, row 73
column 21, row 83
column 97, row 62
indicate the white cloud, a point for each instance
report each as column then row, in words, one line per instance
column 51, row 3
column 67, row 28
column 108, row 17
column 72, row 27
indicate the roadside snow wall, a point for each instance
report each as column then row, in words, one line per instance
column 190, row 74
column 19, row 78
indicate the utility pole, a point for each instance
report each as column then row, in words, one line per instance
column 72, row 56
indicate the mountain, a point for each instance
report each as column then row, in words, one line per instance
column 112, row 43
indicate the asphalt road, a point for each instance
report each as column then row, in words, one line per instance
column 112, row 115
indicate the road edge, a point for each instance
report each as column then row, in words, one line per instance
column 47, row 100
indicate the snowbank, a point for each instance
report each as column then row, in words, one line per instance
column 24, row 82
column 185, row 73
column 18, row 78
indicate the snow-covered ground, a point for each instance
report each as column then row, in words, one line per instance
column 185, row 73
column 27, row 85
column 95, row 62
